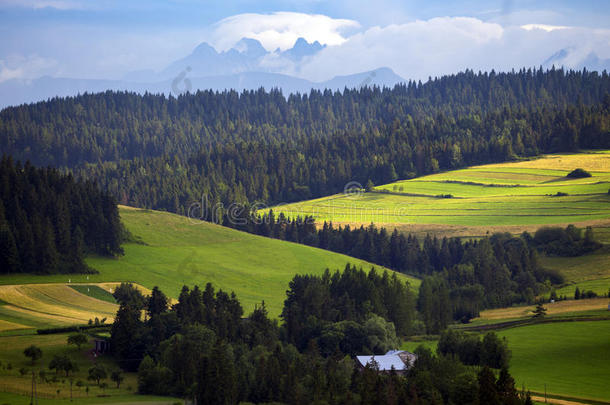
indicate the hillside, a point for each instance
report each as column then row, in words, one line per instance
column 565, row 358
column 155, row 152
column 172, row 251
column 508, row 196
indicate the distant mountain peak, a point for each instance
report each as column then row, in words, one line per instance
column 570, row 58
column 302, row 48
column 204, row 49
column 250, row 47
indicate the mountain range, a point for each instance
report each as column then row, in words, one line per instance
column 248, row 65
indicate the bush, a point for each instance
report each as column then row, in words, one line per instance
column 578, row 174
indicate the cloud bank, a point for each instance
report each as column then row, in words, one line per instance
column 445, row 45
column 281, row 29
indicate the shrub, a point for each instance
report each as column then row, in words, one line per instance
column 578, row 174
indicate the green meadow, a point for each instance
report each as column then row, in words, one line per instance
column 518, row 193
column 15, row 386
column 568, row 358
column 588, row 272
column 173, row 251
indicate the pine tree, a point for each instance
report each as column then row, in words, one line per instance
column 540, row 311
column 9, row 256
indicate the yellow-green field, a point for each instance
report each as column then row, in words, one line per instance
column 507, row 194
column 594, row 305
column 174, row 251
column 30, row 306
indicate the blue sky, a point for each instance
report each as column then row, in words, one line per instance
column 107, row 39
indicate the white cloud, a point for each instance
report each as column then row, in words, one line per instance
column 26, row 67
column 544, row 27
column 280, row 29
column 419, row 49
column 415, row 49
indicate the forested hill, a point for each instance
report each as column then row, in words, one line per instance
column 49, row 221
column 157, row 152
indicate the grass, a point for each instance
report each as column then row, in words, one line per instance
column 16, row 399
column 570, row 358
column 175, row 251
column 556, row 308
column 43, row 305
column 15, row 388
column 588, row 272
column 95, row 291
column 505, row 194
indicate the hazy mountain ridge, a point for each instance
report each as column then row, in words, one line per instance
column 15, row 92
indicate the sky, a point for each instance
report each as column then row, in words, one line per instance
column 106, row 39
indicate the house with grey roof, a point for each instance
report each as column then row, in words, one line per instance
column 399, row 360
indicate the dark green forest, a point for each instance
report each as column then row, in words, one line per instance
column 49, row 221
column 203, row 348
column 461, row 277
column 256, row 146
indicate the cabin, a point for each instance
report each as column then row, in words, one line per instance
column 399, row 360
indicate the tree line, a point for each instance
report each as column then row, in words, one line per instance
column 49, row 220
column 166, row 153
column 203, row 348
column 461, row 277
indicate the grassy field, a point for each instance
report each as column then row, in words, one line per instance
column 26, row 307
column 47, row 305
column 570, row 358
column 15, row 387
column 509, row 194
column 175, row 251
column 556, row 308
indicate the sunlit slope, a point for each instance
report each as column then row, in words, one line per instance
column 173, row 251
column 177, row 251
column 520, row 193
column 29, row 306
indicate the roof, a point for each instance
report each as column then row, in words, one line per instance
column 392, row 359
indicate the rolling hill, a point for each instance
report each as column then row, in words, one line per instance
column 171, row 251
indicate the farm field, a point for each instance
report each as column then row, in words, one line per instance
column 173, row 251
column 556, row 308
column 29, row 306
column 518, row 194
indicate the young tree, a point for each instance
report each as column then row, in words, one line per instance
column 540, row 311
column 78, row 339
column 117, row 377
column 33, row 352
column 97, row 373
column 62, row 363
